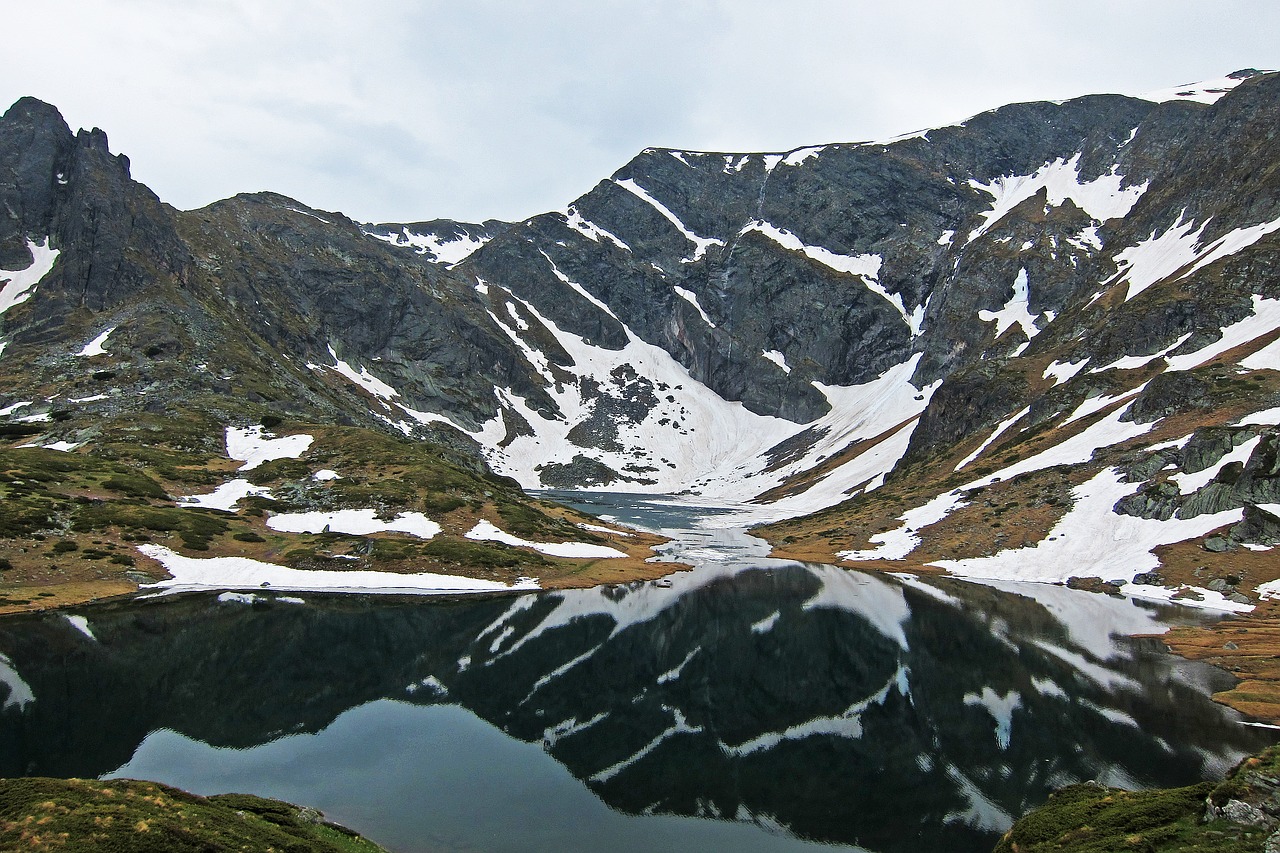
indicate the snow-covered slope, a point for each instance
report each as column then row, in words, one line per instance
column 914, row 324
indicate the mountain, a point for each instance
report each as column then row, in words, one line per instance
column 1049, row 323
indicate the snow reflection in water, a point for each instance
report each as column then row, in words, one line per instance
column 796, row 704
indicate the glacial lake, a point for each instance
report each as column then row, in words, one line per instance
column 751, row 704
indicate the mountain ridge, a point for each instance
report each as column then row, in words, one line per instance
column 863, row 321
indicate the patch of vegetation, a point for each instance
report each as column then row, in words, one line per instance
column 146, row 817
column 1092, row 818
column 485, row 555
column 464, row 552
column 278, row 470
column 135, row 485
column 195, row 526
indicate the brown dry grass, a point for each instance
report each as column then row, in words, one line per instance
column 1248, row 648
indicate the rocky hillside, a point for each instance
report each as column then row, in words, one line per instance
column 1064, row 309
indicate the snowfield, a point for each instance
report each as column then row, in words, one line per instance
column 237, row 573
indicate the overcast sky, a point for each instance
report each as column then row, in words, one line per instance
column 471, row 109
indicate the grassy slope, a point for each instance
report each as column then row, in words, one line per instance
column 1091, row 818
column 135, row 816
column 70, row 523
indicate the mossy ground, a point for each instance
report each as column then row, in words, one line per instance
column 70, row 523
column 1095, row 819
column 146, row 817
column 1092, row 818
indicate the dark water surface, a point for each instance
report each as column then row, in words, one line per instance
column 752, row 704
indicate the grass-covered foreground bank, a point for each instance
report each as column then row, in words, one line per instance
column 1241, row 814
column 146, row 817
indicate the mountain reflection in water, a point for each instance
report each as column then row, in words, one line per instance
column 788, row 704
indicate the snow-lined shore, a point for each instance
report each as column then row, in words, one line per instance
column 242, row 573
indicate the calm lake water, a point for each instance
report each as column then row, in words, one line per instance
column 748, row 705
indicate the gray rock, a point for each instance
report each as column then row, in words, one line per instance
column 1217, row 544
column 1245, row 814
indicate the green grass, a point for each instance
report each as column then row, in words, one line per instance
column 128, row 816
column 1091, row 818
column 464, row 552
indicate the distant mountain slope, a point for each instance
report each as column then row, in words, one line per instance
column 954, row 309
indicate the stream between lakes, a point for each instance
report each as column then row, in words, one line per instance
column 751, row 704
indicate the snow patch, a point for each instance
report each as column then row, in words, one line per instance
column 357, row 522
column 363, row 378
column 1062, row 371
column 486, row 531
column 95, row 346
column 254, row 446
column 1232, row 242
column 1266, row 417
column 692, row 298
column 578, row 288
column 594, row 232
column 701, row 244
column 226, row 496
column 1199, row 598
column 897, row 543
column 866, row 267
column 1264, row 320
column 996, row 433
column 1157, row 258
column 1188, row 483
column 17, row 286
column 1092, row 540
column 447, row 251
column 1001, row 708
column 795, row 158
column 847, row 724
column 1092, row 405
column 1133, row 362
column 192, row 573
column 308, row 213
column 778, row 359
column 81, row 624
column 766, row 624
column 878, row 602
column 1103, row 198
column 20, row 695
column 1203, row 92
column 1016, row 311
column 60, row 446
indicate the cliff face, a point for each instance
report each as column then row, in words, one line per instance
column 802, row 327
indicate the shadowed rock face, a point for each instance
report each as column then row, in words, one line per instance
column 845, row 707
column 985, row 251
